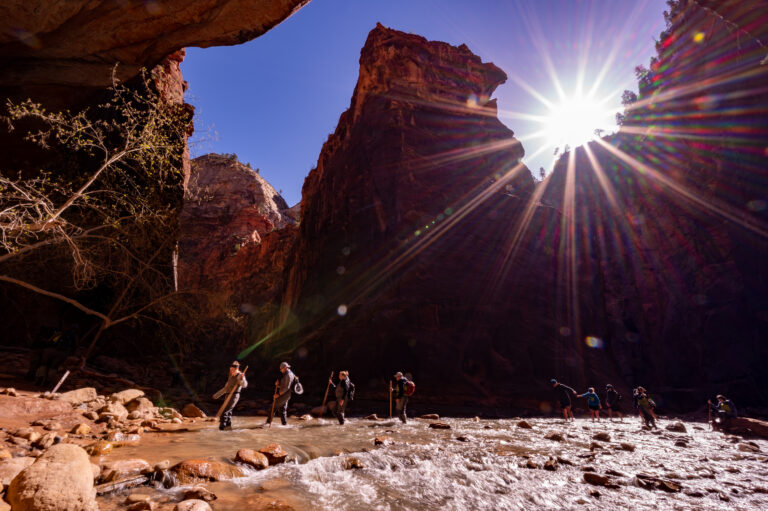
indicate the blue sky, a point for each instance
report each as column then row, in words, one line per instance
column 275, row 100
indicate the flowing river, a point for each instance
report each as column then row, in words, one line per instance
column 477, row 464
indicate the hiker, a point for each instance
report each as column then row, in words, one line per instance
column 345, row 392
column 284, row 386
column 401, row 397
column 563, row 393
column 725, row 410
column 593, row 403
column 235, row 380
column 612, row 399
column 646, row 407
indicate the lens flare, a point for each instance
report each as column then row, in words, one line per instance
column 594, row 342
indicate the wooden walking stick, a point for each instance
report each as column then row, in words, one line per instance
column 272, row 412
column 390, row 399
column 709, row 415
column 229, row 396
column 325, row 397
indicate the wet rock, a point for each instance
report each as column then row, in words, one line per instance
column 80, row 429
column 530, row 464
column 524, row 425
column 372, row 417
column 627, row 447
column 595, row 446
column 120, row 469
column 588, row 468
column 564, row 461
column 99, row 448
column 120, row 439
column 615, row 473
column 550, row 464
column 193, row 470
column 693, row 493
column 10, row 391
column 28, row 434
column 176, row 420
column 681, row 443
column 126, row 396
column 10, row 468
column 60, row 479
column 352, row 464
column 439, row 425
column 200, row 493
column 79, row 396
column 114, row 410
column 650, row 482
column 602, row 437
column 430, row 416
column 383, row 440
column 305, row 417
column 190, row 410
column 274, row 453
column 145, row 505
column 462, row 438
column 192, row 505
column 594, row 493
column 554, row 436
column 252, row 458
column 162, row 465
column 676, row 427
column 749, row 447
column 596, row 479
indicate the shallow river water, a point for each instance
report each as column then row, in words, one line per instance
column 484, row 469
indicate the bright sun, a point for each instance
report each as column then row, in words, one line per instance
column 574, row 121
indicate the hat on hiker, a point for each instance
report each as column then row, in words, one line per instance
column 609, row 386
column 235, row 364
column 284, row 365
column 398, row 374
column 720, row 396
column 553, row 381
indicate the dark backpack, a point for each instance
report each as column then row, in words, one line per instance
column 410, row 388
column 351, row 392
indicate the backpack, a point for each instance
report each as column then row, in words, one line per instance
column 351, row 392
column 410, row 388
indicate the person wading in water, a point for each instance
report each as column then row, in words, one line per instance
column 646, row 406
column 401, row 396
column 725, row 410
column 563, row 393
column 345, row 391
column 612, row 399
column 593, row 403
column 237, row 381
column 284, row 386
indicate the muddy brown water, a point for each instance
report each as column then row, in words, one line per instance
column 434, row 469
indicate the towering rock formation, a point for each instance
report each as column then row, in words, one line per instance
column 228, row 215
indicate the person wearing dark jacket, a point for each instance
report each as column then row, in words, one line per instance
column 345, row 391
column 725, row 410
column 563, row 393
column 235, row 380
column 401, row 399
column 284, row 386
column 647, row 407
column 612, row 404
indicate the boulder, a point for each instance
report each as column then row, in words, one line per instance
column 627, row 447
column 383, row 440
column 371, row 417
column 274, row 453
column 676, row 427
column 80, row 429
column 193, row 470
column 114, row 410
column 192, row 505
column 353, row 464
column 190, row 410
column 650, row 482
column 524, row 425
column 46, row 441
column 199, row 493
column 99, row 448
column 550, row 464
column 27, row 434
column 430, row 416
column 59, row 480
column 5, row 454
column 555, row 436
column 79, row 396
column 252, row 458
column 91, row 415
column 115, row 470
column 141, row 405
column 126, row 396
column 10, row 391
column 747, row 426
column 596, row 479
column 144, row 505
column 10, row 468
column 439, row 425
column 602, row 437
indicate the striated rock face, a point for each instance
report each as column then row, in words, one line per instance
column 398, row 273
column 228, row 211
column 62, row 49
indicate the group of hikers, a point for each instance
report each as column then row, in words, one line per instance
column 643, row 404
column 288, row 383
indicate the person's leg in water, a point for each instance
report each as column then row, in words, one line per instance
column 400, row 407
column 610, row 412
column 338, row 411
column 225, row 421
column 282, row 407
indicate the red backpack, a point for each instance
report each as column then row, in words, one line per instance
column 410, row 388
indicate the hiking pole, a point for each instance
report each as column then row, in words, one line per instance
column 709, row 415
column 325, row 397
column 229, row 396
column 60, row 382
column 272, row 412
column 390, row 399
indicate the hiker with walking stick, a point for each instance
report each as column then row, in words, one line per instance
column 235, row 383
column 283, row 388
column 403, row 390
column 345, row 392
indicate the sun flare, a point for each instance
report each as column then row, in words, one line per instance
column 576, row 121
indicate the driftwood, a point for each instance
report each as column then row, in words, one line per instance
column 129, row 482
